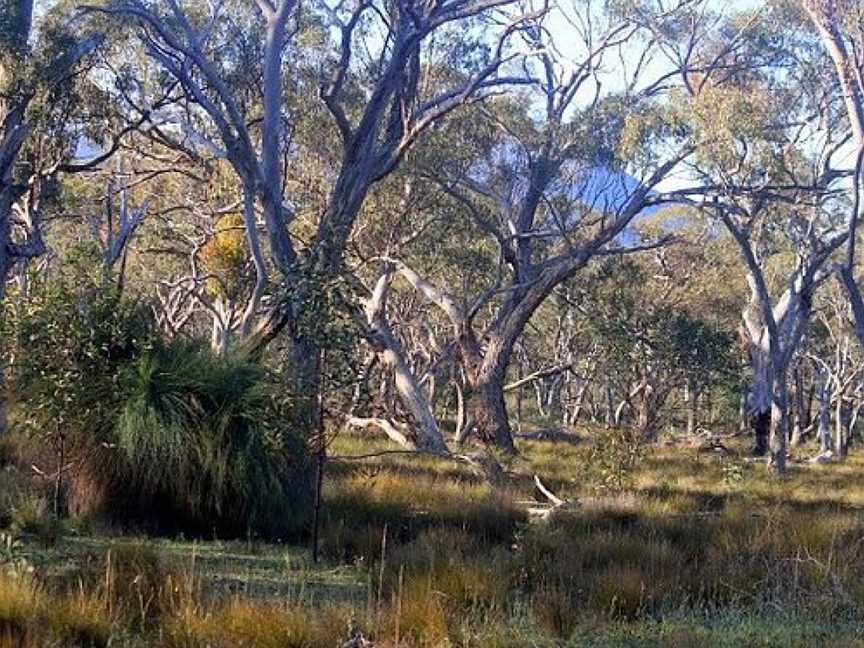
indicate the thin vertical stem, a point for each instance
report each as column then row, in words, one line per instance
column 321, row 455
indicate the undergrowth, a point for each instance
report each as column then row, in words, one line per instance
column 436, row 558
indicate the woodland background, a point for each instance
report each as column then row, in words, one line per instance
column 500, row 307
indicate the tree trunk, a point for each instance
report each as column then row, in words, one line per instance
column 484, row 376
column 579, row 405
column 743, row 418
column 610, row 407
column 4, row 404
column 519, row 397
column 646, row 419
column 5, row 267
column 5, row 236
column 800, row 422
column 538, row 398
column 425, row 433
column 825, row 415
column 842, row 419
column 760, row 422
column 554, row 398
column 692, row 400
column 650, row 401
column 488, row 414
column 779, row 423
column 304, row 382
column 759, row 403
column 361, row 386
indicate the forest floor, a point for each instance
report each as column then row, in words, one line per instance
column 684, row 548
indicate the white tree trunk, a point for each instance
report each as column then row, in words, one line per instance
column 779, row 423
column 411, row 394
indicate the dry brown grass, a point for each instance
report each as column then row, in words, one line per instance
column 687, row 556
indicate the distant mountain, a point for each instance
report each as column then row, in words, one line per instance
column 609, row 191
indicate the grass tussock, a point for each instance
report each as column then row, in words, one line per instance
column 30, row 617
column 361, row 503
column 263, row 625
column 199, row 446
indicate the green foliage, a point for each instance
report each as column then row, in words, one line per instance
column 613, row 459
column 201, row 446
column 645, row 129
column 164, row 432
column 636, row 320
column 72, row 337
column 733, row 473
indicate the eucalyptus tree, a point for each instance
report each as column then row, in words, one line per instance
column 225, row 110
column 561, row 175
column 840, row 27
column 650, row 332
column 381, row 92
column 765, row 168
column 37, row 99
column 774, row 325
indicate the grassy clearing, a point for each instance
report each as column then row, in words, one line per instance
column 698, row 550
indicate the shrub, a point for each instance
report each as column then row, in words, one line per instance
column 613, row 459
column 199, row 446
column 73, row 336
column 16, row 491
column 162, row 434
column 32, row 515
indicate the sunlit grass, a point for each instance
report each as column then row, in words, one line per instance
column 422, row 552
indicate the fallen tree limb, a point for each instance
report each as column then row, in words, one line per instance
column 389, row 428
column 556, row 501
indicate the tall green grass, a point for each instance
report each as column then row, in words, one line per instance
column 200, row 445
